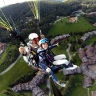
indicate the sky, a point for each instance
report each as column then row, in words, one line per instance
column 8, row 2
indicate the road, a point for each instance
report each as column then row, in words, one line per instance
column 6, row 70
column 59, row 19
column 67, row 50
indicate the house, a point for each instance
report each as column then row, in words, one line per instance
column 2, row 48
column 94, row 24
column 94, row 32
column 90, row 74
column 28, row 19
column 90, row 55
column 90, row 52
column 91, row 14
column 73, row 19
column 78, row 13
column 93, row 59
column 93, row 93
column 32, row 85
column 87, row 35
column 38, row 92
column 87, row 81
column 57, row 17
column 82, row 55
column 66, row 72
column 58, row 38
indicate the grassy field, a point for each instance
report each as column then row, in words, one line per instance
column 10, row 54
column 61, row 49
column 78, row 90
column 92, row 88
column 62, row 27
column 20, row 69
column 4, row 55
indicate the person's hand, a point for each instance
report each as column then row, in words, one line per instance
column 57, row 44
column 39, row 69
column 21, row 50
column 48, row 70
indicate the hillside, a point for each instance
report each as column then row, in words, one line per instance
column 63, row 27
column 19, row 70
column 48, row 12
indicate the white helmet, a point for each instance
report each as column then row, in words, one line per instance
column 32, row 36
column 39, row 42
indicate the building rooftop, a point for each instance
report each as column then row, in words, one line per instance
column 93, row 93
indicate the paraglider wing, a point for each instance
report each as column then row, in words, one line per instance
column 3, row 28
column 6, row 26
column 59, row 38
column 34, row 6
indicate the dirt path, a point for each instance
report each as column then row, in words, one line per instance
column 67, row 50
column 6, row 70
